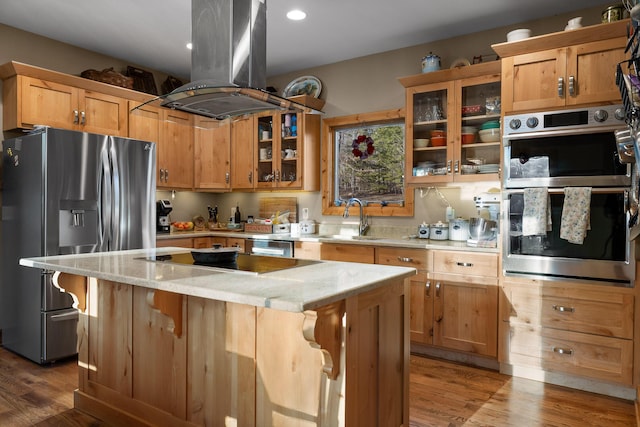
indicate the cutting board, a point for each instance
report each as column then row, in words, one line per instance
column 270, row 205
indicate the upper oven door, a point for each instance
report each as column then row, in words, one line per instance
column 563, row 158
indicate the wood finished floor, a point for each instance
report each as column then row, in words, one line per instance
column 442, row 394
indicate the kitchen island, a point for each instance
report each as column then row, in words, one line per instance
column 322, row 343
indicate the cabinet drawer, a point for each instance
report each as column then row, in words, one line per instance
column 466, row 263
column 604, row 358
column 179, row 242
column 417, row 258
column 235, row 242
column 607, row 313
column 348, row 253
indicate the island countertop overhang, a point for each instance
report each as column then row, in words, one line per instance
column 295, row 289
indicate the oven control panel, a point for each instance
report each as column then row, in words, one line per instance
column 606, row 115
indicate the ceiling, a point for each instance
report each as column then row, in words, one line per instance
column 154, row 33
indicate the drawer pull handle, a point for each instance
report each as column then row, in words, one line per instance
column 561, row 350
column 464, row 264
column 563, row 309
column 405, row 259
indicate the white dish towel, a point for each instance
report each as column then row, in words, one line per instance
column 536, row 216
column 576, row 211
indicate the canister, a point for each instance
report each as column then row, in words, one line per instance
column 613, row 13
column 430, row 63
column 459, row 229
column 423, row 231
column 439, row 231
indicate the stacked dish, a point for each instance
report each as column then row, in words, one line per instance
column 490, row 131
column 488, row 168
column 468, row 134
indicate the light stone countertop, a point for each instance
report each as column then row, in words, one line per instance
column 404, row 242
column 295, row 289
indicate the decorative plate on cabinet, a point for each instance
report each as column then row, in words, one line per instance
column 305, row 85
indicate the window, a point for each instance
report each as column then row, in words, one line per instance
column 364, row 158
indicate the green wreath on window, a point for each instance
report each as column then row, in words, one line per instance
column 362, row 154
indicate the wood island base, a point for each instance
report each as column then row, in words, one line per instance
column 158, row 358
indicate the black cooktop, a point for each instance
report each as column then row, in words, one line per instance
column 256, row 264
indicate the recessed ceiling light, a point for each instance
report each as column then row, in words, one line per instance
column 296, row 15
column 189, row 45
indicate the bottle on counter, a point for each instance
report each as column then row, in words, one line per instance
column 237, row 217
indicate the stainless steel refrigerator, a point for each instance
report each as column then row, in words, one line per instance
column 66, row 192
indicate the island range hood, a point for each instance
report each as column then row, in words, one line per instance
column 228, row 62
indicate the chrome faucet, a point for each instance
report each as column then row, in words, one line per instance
column 364, row 221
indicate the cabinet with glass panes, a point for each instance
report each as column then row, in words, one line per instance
column 287, row 150
column 453, row 125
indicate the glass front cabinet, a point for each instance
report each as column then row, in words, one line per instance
column 453, row 125
column 279, row 150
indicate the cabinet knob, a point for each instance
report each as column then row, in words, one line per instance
column 166, row 175
column 83, row 119
column 226, row 177
column 427, row 290
column 250, row 177
column 75, row 117
column 438, row 290
column 456, row 166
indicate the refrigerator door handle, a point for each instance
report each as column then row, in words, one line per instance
column 105, row 201
column 116, row 201
column 72, row 315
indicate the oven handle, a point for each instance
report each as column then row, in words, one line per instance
column 594, row 190
column 508, row 136
column 267, row 251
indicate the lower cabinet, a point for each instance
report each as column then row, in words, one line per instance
column 420, row 303
column 566, row 327
column 463, row 290
column 307, row 250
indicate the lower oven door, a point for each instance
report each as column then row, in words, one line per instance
column 278, row 248
column 605, row 255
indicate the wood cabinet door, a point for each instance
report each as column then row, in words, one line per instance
column 466, row 317
column 212, row 155
column 421, row 309
column 592, row 68
column 145, row 124
column 176, row 150
column 243, row 171
column 530, row 81
column 46, row 103
column 103, row 114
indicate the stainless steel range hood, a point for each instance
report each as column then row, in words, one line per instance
column 228, row 62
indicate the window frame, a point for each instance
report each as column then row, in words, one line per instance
column 329, row 126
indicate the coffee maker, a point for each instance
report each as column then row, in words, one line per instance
column 163, row 207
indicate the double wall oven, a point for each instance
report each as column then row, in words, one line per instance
column 547, row 154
